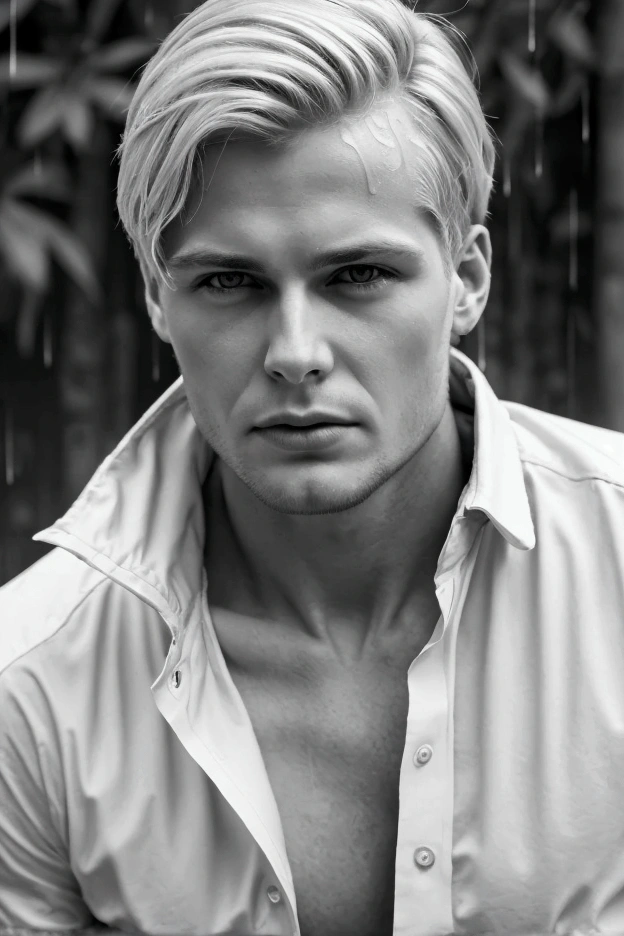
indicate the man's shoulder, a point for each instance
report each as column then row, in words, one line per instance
column 60, row 600
column 567, row 447
column 39, row 602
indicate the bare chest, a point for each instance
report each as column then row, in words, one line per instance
column 334, row 763
column 332, row 743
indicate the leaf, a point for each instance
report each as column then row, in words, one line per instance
column 31, row 71
column 100, row 14
column 51, row 236
column 569, row 32
column 22, row 8
column 485, row 36
column 42, row 116
column 50, row 181
column 514, row 129
column 113, row 95
column 117, row 56
column 69, row 253
column 567, row 94
column 528, row 82
column 24, row 252
column 77, row 121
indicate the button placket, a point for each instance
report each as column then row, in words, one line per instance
column 421, row 840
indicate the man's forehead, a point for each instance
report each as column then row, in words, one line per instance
column 364, row 160
column 381, row 140
column 386, row 134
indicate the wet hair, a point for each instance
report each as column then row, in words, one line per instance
column 269, row 70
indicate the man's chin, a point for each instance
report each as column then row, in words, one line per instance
column 312, row 496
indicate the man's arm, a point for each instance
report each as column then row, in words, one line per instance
column 38, row 890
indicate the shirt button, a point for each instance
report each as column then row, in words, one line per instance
column 424, row 857
column 423, row 755
column 176, row 678
column 273, row 894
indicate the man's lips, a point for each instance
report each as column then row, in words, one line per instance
column 302, row 420
column 302, row 438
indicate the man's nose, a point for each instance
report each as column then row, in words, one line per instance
column 298, row 344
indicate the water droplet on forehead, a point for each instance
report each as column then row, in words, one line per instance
column 381, row 130
column 372, row 177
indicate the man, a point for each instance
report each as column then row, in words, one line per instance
column 332, row 644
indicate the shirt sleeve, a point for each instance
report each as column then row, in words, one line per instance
column 38, row 890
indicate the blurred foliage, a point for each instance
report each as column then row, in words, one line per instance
column 70, row 82
column 30, row 237
column 537, row 69
column 72, row 290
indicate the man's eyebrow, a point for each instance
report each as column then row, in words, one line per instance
column 195, row 258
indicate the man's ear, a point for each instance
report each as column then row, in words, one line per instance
column 154, row 306
column 472, row 280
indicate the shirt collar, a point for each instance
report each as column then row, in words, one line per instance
column 140, row 519
column 496, row 485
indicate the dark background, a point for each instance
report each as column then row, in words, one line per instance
column 79, row 361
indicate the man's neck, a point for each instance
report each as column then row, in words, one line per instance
column 362, row 569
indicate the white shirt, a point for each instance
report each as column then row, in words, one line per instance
column 132, row 787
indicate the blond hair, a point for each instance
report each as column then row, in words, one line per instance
column 269, row 70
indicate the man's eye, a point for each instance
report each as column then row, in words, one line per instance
column 224, row 277
column 386, row 276
column 230, row 282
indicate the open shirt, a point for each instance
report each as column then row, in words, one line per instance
column 132, row 788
